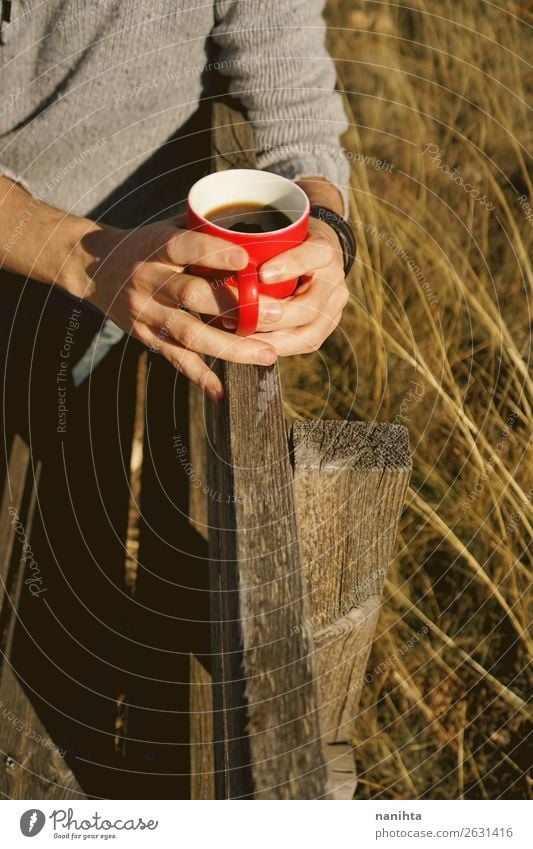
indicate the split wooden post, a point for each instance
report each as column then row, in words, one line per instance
column 350, row 480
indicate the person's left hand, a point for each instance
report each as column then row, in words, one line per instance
column 313, row 312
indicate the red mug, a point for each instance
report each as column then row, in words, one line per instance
column 246, row 185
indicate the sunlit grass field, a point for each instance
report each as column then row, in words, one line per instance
column 438, row 337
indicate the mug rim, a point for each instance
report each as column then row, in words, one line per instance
column 237, row 171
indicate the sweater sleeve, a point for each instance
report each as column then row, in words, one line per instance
column 7, row 172
column 275, row 56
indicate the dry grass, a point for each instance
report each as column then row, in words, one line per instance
column 445, row 718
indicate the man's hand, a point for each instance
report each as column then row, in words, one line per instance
column 139, row 279
column 315, row 309
column 313, row 312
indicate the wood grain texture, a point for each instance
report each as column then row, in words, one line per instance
column 197, row 456
column 341, row 656
column 31, row 765
column 13, row 492
column 266, row 720
column 201, row 731
column 350, row 480
column 232, row 146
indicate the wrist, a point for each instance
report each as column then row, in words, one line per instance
column 342, row 231
column 47, row 244
column 322, row 193
column 86, row 244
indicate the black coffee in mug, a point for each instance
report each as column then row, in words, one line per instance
column 248, row 217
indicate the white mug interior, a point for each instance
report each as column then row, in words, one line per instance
column 247, row 185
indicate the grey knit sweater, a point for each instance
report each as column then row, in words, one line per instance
column 89, row 90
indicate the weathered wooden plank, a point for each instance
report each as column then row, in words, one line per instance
column 201, row 731
column 31, row 766
column 265, row 700
column 233, row 144
column 341, row 655
column 342, row 779
column 202, row 757
column 197, row 456
column 14, row 485
column 350, row 480
column 232, row 147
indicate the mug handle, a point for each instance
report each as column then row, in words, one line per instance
column 248, row 312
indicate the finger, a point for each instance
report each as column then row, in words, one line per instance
column 189, row 247
column 197, row 294
column 316, row 252
column 193, row 367
column 322, row 298
column 180, row 220
column 212, row 297
column 301, row 340
column 196, row 336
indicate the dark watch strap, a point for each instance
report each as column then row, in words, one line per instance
column 343, row 231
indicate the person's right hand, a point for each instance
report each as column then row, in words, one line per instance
column 139, row 279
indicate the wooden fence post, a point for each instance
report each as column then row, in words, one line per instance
column 349, row 484
column 350, row 480
column 265, row 700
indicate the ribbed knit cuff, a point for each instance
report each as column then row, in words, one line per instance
column 6, row 172
column 303, row 165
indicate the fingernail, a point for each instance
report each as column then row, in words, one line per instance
column 266, row 356
column 237, row 259
column 229, row 323
column 270, row 275
column 216, row 395
column 271, row 312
